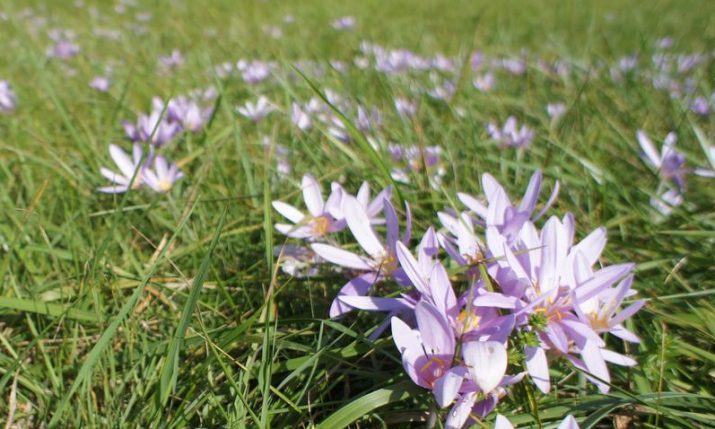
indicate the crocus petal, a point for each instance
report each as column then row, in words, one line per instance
column 568, row 423
column 550, row 202
column 371, row 303
column 114, row 177
column 651, row 153
column 340, row 257
column 493, row 299
column 459, row 413
column 502, row 423
column 538, row 367
column 411, row 267
column 358, row 286
column 447, row 386
column 125, row 164
column 405, row 338
column 407, row 233
column 528, row 203
column 391, row 224
column 624, row 334
column 617, row 358
column 473, row 204
column 596, row 365
column 312, row 195
column 359, row 225
column 592, row 245
column 602, row 279
column 486, row 361
column 435, row 331
column 441, row 289
column 113, row 189
column 289, row 212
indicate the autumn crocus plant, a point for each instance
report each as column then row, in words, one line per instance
column 487, row 301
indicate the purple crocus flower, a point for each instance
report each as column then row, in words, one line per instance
column 324, row 216
column 500, row 213
column 700, row 106
column 368, row 119
column 479, row 395
column 188, row 113
column 405, row 107
column 665, row 202
column 548, row 273
column 509, row 135
column 300, row 118
column 152, row 128
column 599, row 312
column 664, row 43
column 7, row 97
column 256, row 111
column 336, row 128
column 669, row 163
column 173, row 60
column 555, row 110
column 344, row 23
column 444, row 91
column 129, row 167
column 255, row 71
column 428, row 352
column 100, row 83
column 63, row 50
column 462, row 245
column 484, row 82
column 163, row 176
column 297, row 261
column 381, row 261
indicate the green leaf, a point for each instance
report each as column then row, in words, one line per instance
column 46, row 308
column 366, row 404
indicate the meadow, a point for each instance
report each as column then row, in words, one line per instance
column 187, row 240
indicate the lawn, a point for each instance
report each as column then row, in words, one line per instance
column 170, row 289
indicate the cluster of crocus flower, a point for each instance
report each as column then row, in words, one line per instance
column 163, row 124
column 510, row 135
column 669, row 164
column 416, row 159
column 471, row 312
column 64, row 46
column 167, row 120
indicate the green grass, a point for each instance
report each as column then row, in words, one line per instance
column 151, row 310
